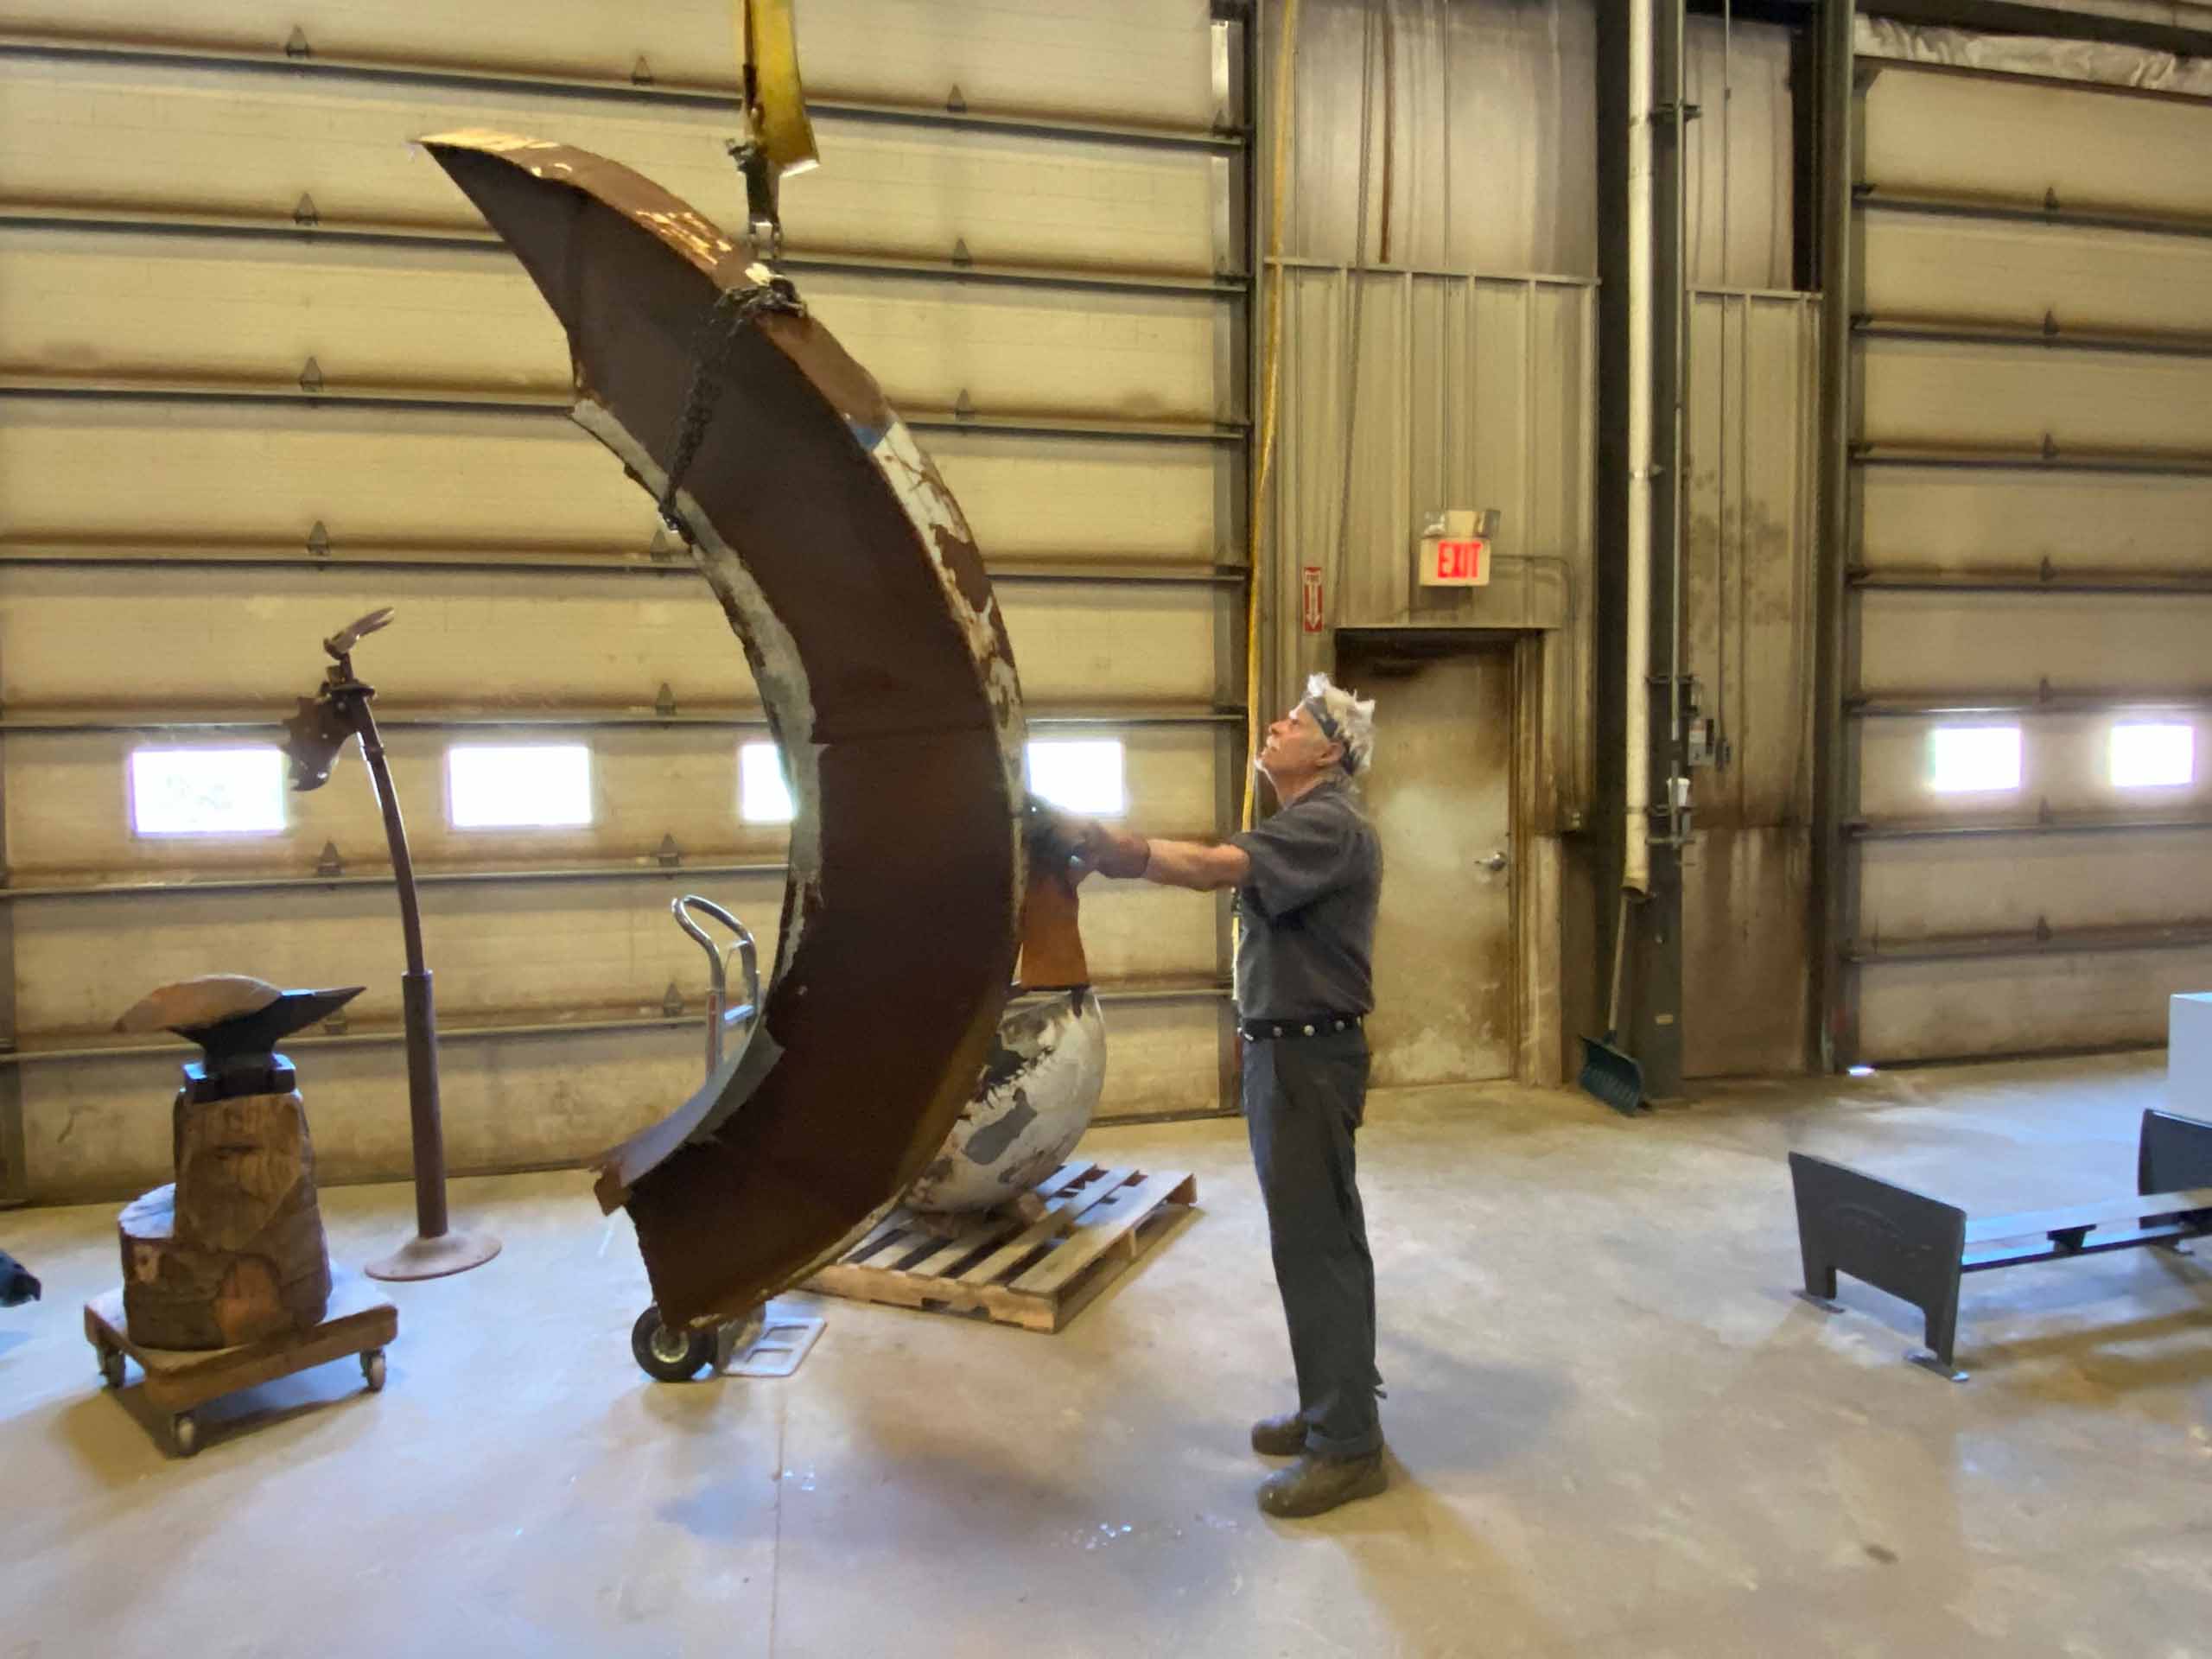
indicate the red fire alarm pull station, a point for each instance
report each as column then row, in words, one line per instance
column 1454, row 550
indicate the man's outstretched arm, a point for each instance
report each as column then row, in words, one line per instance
column 1189, row 864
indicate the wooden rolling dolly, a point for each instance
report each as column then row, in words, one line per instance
column 179, row 1381
column 227, row 1280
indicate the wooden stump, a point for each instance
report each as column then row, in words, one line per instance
column 233, row 1251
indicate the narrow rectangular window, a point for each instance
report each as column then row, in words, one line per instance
column 2153, row 755
column 763, row 797
column 207, row 791
column 1975, row 760
column 519, row 786
column 1080, row 775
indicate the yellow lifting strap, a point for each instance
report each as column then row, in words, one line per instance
column 768, row 47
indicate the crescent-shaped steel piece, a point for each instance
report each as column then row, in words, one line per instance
column 848, row 573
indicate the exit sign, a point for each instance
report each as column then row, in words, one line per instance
column 1456, row 563
column 1454, row 550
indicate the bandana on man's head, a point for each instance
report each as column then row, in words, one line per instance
column 1331, row 730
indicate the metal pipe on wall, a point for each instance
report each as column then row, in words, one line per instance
column 1636, row 855
column 1676, row 493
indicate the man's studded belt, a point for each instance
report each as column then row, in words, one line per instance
column 1319, row 1024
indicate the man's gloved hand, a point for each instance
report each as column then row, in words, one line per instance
column 1084, row 844
column 1111, row 852
column 1054, row 836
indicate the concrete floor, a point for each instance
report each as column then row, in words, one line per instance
column 1613, row 1429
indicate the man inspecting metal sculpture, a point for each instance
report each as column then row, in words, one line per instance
column 1307, row 880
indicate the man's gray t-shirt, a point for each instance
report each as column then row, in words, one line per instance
column 1308, row 908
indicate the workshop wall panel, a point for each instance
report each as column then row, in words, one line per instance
column 2032, row 427
column 1139, row 60
column 99, row 1126
column 466, row 319
column 2025, row 141
column 548, row 950
column 1966, row 397
column 2147, row 644
column 512, row 644
column 1938, row 886
column 2044, row 1000
column 245, row 143
column 2015, row 523
column 208, row 474
column 1747, row 603
column 2027, row 274
column 68, row 824
column 1047, row 275
column 2065, row 768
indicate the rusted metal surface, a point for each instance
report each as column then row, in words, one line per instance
column 848, row 573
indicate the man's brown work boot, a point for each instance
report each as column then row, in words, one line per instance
column 1315, row 1484
column 1280, row 1437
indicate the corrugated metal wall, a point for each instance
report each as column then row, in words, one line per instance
column 1471, row 392
column 2034, row 418
column 1748, row 603
column 187, row 216
column 1476, row 386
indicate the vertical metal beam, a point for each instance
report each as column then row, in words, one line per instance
column 1584, row 1002
column 1654, row 1023
column 1832, row 1043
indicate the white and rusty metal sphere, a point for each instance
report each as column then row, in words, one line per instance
column 1041, row 1086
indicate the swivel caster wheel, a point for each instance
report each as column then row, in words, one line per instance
column 373, row 1369
column 666, row 1354
column 111, row 1367
column 184, row 1434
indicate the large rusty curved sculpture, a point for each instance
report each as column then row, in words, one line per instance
column 848, row 573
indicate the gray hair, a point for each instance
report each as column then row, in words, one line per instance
column 1345, row 717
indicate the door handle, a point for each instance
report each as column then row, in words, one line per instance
column 1497, row 862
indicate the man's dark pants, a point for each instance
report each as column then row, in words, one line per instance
column 1304, row 1098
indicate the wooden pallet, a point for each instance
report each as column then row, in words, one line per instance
column 1036, row 1274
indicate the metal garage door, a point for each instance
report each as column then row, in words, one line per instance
column 261, row 371
column 2033, row 579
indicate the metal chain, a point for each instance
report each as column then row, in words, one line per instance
column 733, row 309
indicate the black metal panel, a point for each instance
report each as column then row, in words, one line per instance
column 2174, row 1154
column 1890, row 1237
